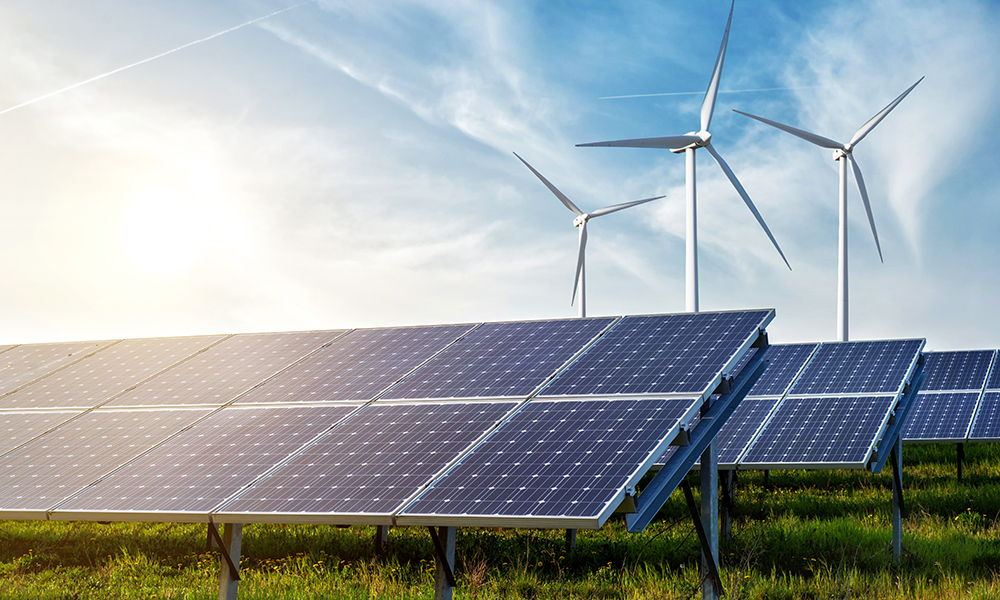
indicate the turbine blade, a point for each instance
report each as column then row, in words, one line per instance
column 864, row 198
column 746, row 198
column 708, row 105
column 809, row 137
column 579, row 260
column 860, row 135
column 671, row 141
column 607, row 210
column 562, row 197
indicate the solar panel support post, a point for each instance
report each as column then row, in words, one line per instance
column 711, row 589
column 230, row 543
column 663, row 484
column 381, row 539
column 444, row 564
column 711, row 586
column 897, row 501
column 727, row 478
column 961, row 460
column 570, row 542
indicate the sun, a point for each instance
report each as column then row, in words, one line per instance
column 162, row 231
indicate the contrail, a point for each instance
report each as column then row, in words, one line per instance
column 146, row 60
column 702, row 93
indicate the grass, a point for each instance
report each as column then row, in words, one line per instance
column 801, row 535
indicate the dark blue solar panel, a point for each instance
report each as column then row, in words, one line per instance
column 858, row 367
column 987, row 423
column 965, row 370
column 558, row 459
column 829, row 431
column 784, row 361
column 500, row 360
column 741, row 426
column 994, row 382
column 199, row 468
column 661, row 354
column 940, row 416
column 372, row 462
column 357, row 366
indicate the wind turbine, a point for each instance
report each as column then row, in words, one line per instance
column 843, row 153
column 687, row 144
column 581, row 222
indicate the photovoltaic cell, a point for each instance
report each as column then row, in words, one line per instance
column 994, row 382
column 784, row 363
column 940, row 416
column 42, row 473
column 357, row 366
column 500, row 360
column 663, row 354
column 226, row 370
column 17, row 428
column 856, row 368
column 739, row 429
column 987, row 424
column 97, row 378
column 22, row 364
column 827, row 431
column 555, row 459
column 963, row 370
column 196, row 470
column 371, row 463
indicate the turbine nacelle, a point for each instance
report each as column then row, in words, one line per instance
column 581, row 220
column 840, row 153
column 704, row 138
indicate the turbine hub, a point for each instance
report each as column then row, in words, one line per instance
column 704, row 136
column 580, row 220
column 839, row 154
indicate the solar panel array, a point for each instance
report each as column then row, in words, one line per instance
column 362, row 426
column 951, row 406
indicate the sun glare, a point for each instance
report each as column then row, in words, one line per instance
column 162, row 231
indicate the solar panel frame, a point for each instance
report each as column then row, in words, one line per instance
column 687, row 409
column 404, row 390
column 604, row 346
column 231, row 511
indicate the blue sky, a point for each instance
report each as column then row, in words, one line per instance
column 350, row 164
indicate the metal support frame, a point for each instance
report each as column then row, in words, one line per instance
column 444, row 566
column 570, row 542
column 381, row 539
column 229, row 544
column 898, row 509
column 710, row 590
column 663, row 484
column 961, row 460
column 727, row 479
column 713, row 579
column 894, row 432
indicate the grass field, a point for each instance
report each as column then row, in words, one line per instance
column 808, row 535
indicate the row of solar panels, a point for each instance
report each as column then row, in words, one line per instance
column 819, row 406
column 959, row 401
column 419, row 425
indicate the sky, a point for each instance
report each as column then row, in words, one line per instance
column 350, row 164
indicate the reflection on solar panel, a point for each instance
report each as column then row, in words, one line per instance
column 858, row 367
column 662, row 354
column 965, row 370
column 940, row 417
column 23, row 364
column 365, row 468
column 823, row 432
column 986, row 427
column 500, row 360
column 96, row 379
column 42, row 473
column 357, row 366
column 196, row 470
column 17, row 428
column 553, row 463
column 226, row 370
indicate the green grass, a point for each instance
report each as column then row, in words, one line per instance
column 804, row 535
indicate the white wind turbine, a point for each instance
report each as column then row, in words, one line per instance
column 843, row 153
column 581, row 222
column 687, row 144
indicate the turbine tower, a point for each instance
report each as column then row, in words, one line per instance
column 581, row 221
column 687, row 144
column 843, row 154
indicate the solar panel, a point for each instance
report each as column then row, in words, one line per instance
column 187, row 476
column 226, row 370
column 858, row 368
column 940, row 417
column 96, row 379
column 42, row 473
column 986, row 427
column 820, row 432
column 357, row 366
column 23, row 364
column 500, row 360
column 554, row 463
column 661, row 354
column 785, row 361
column 364, row 469
column 994, row 381
column 963, row 370
column 740, row 428
column 17, row 428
